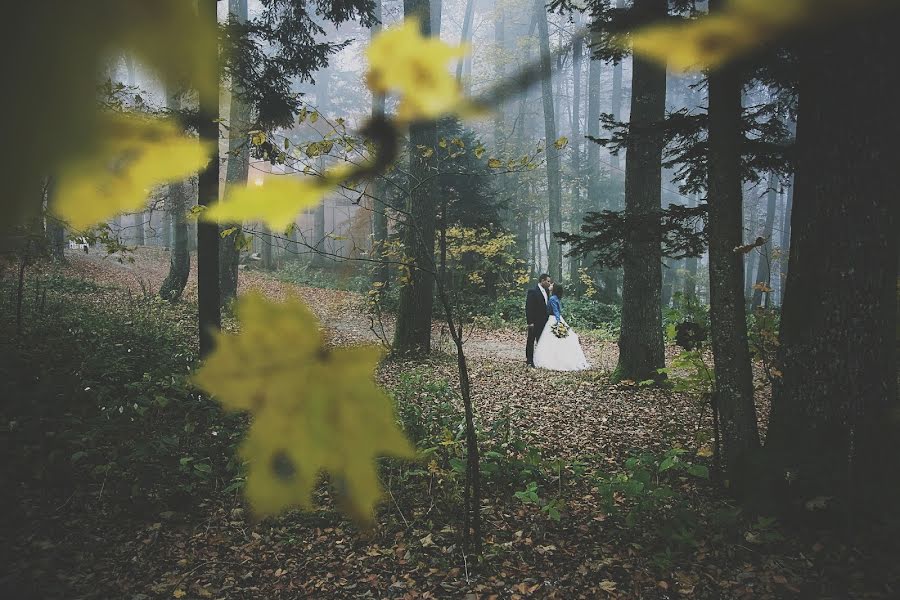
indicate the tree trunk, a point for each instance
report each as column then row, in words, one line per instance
column 180, row 259
column 237, row 169
column 785, row 239
column 208, row 295
column 465, row 36
column 137, row 219
column 616, row 107
column 690, row 266
column 176, row 205
column 435, row 9
column 54, row 229
column 379, row 205
column 641, row 350
column 553, row 183
column 323, row 99
column 577, row 209
column 833, row 423
column 166, row 225
column 764, row 272
column 727, row 314
column 668, row 282
column 413, row 332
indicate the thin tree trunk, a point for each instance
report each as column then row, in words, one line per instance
column 550, row 133
column 237, row 170
column 379, row 204
column 641, row 350
column 208, row 294
column 764, row 272
column 180, row 259
column 786, row 238
column 734, row 380
column 53, row 227
column 690, row 266
column 138, row 217
column 616, row 107
column 833, row 422
column 577, row 210
column 465, row 36
column 413, row 332
column 435, row 8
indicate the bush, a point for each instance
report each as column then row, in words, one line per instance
column 584, row 314
column 341, row 276
column 684, row 309
column 587, row 313
column 114, row 408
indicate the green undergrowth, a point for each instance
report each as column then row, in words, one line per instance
column 98, row 402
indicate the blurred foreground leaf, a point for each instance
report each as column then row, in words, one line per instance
column 741, row 28
column 55, row 53
column 134, row 154
column 314, row 409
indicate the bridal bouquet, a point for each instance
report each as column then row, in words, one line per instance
column 560, row 330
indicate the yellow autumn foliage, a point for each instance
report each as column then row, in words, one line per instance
column 135, row 155
column 314, row 409
column 403, row 61
column 56, row 53
column 742, row 27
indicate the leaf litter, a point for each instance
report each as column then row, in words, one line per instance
column 587, row 554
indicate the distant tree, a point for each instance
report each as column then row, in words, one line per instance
column 177, row 203
column 550, row 134
column 237, row 169
column 413, row 331
column 378, row 204
column 764, row 257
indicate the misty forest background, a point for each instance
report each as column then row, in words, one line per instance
column 726, row 238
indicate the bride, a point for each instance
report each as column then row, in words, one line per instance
column 558, row 348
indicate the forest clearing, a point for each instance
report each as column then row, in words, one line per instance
column 478, row 299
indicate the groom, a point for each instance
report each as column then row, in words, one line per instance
column 536, row 314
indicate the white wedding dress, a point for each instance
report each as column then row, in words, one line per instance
column 559, row 354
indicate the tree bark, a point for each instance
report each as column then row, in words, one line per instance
column 379, row 205
column 180, row 258
column 550, row 133
column 727, row 313
column 616, row 107
column 413, row 332
column 577, row 208
column 690, row 266
column 833, row 423
column 237, row 170
column 641, row 350
column 54, row 229
column 764, row 271
column 208, row 294
column 785, row 239
column 465, row 36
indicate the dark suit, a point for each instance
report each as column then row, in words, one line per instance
column 536, row 316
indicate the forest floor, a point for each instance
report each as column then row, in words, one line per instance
column 99, row 534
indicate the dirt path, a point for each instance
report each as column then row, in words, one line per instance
column 342, row 313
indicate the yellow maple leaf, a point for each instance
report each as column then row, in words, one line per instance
column 742, row 27
column 276, row 201
column 403, row 61
column 56, row 118
column 136, row 154
column 314, row 409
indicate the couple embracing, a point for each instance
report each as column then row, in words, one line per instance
column 552, row 344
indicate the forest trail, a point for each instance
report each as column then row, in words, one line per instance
column 585, row 416
column 342, row 313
